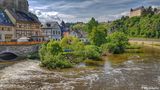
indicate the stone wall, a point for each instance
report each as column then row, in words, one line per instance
column 19, row 50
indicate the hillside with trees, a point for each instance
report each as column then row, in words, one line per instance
column 145, row 26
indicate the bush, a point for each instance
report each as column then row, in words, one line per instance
column 51, row 56
column 92, row 52
column 104, row 48
column 53, row 62
column 115, row 49
column 54, row 47
column 117, row 42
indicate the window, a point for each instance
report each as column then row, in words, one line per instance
column 59, row 32
column 0, row 36
column 8, row 37
column 9, row 29
column 53, row 32
column 56, row 33
column 2, row 28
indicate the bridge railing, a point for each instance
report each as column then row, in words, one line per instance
column 21, row 43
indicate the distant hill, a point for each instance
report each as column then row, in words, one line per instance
column 147, row 26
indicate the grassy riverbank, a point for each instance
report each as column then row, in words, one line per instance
column 146, row 42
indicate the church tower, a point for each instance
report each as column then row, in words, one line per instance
column 21, row 5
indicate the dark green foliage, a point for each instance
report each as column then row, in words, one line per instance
column 57, row 61
column 117, row 42
column 91, row 25
column 92, row 52
column 97, row 37
column 54, row 47
column 146, row 26
column 51, row 56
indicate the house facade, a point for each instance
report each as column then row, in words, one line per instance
column 26, row 24
column 52, row 30
column 6, row 28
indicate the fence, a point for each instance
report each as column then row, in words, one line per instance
column 20, row 43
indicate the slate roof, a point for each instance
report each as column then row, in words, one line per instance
column 79, row 33
column 4, row 20
column 51, row 25
column 24, row 16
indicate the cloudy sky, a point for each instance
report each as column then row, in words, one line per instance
column 83, row 10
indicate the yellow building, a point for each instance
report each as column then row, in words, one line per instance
column 26, row 24
column 6, row 33
column 6, row 28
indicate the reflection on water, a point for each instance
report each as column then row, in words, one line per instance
column 129, row 71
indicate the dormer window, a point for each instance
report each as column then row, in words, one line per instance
column 48, row 25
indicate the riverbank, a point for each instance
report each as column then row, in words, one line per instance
column 146, row 42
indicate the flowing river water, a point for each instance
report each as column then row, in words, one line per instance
column 129, row 71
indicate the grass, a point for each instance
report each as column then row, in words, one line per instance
column 133, row 46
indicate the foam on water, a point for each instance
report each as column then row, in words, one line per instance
column 28, row 75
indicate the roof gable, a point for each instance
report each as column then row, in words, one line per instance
column 4, row 20
column 24, row 16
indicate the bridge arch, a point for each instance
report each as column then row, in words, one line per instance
column 8, row 56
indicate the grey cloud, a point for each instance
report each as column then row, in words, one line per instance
column 82, row 10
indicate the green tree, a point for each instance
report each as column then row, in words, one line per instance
column 91, row 24
column 117, row 42
column 69, row 42
column 54, row 47
column 97, row 37
column 52, row 57
column 92, row 52
column 78, row 27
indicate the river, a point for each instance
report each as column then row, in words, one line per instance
column 129, row 71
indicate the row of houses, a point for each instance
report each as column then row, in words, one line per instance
column 56, row 31
column 18, row 24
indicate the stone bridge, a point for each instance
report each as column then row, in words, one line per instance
column 19, row 50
